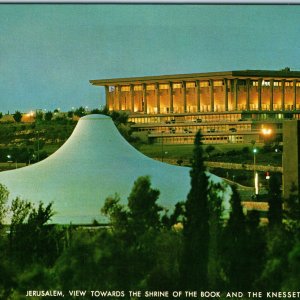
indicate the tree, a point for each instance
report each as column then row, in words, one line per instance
column 209, row 149
column 80, row 112
column 177, row 217
column 95, row 111
column 105, row 111
column 119, row 117
column 279, row 242
column 7, row 279
column 32, row 240
column 70, row 114
column 39, row 115
column 144, row 211
column 255, row 247
column 275, row 202
column 117, row 214
column 292, row 280
column 48, row 116
column 194, row 265
column 234, row 246
column 17, row 116
column 20, row 211
column 216, row 220
column 179, row 162
column 135, row 230
column 3, row 201
column 292, row 210
column 167, row 249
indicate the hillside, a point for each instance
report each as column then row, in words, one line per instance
column 29, row 142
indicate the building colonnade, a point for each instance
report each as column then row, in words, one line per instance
column 209, row 95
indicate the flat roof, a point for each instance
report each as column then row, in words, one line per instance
column 268, row 74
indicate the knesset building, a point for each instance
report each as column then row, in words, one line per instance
column 228, row 107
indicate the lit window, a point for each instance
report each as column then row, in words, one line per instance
column 163, row 86
column 204, row 83
column 137, row 88
column 177, row 85
column 150, row 87
column 190, row 84
column 125, row 88
column 218, row 83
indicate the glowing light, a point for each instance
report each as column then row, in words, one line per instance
column 30, row 114
column 256, row 183
column 266, row 131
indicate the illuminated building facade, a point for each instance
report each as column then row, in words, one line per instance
column 226, row 106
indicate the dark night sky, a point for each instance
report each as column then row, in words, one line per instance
column 49, row 52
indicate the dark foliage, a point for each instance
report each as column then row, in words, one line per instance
column 275, row 202
column 17, row 116
column 196, row 225
column 144, row 248
column 80, row 112
column 48, row 116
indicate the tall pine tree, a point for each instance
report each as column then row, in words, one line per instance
column 235, row 256
column 275, row 202
column 194, row 267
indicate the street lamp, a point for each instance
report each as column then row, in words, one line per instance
column 9, row 160
column 254, row 172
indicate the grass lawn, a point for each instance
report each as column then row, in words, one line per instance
column 176, row 151
column 173, row 151
column 223, row 153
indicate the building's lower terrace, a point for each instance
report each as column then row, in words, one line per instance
column 216, row 128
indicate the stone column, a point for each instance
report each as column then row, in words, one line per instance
column 132, row 97
column 184, row 96
column 282, row 94
column 107, row 96
column 198, row 95
column 157, row 97
column 171, row 96
column 259, row 93
column 248, row 94
column 294, row 94
column 226, row 94
column 235, row 91
column 271, row 93
column 212, row 100
column 145, row 98
column 291, row 156
column 119, row 98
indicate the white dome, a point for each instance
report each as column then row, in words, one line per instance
column 94, row 163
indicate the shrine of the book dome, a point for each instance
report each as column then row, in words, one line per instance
column 94, row 163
